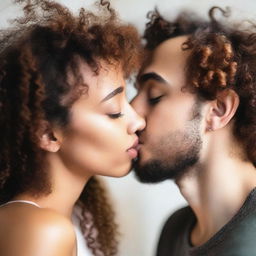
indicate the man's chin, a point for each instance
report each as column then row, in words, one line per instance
column 155, row 171
column 151, row 171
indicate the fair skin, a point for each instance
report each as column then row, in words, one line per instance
column 218, row 182
column 97, row 141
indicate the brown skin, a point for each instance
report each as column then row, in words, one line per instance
column 37, row 232
column 77, row 153
column 173, row 99
column 222, row 176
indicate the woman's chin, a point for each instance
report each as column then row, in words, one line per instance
column 121, row 172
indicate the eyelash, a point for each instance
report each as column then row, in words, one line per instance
column 115, row 116
column 153, row 101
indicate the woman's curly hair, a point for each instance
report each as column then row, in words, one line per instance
column 37, row 54
column 222, row 56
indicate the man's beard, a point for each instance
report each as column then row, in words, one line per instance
column 174, row 154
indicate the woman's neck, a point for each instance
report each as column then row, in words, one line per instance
column 66, row 187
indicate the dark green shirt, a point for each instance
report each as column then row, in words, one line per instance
column 236, row 238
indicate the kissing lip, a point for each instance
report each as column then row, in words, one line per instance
column 133, row 151
column 135, row 145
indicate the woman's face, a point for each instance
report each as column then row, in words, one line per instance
column 102, row 126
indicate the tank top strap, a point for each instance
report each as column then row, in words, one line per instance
column 21, row 201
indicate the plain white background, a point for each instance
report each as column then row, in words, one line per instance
column 141, row 209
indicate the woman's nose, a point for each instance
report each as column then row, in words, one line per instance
column 137, row 122
column 137, row 105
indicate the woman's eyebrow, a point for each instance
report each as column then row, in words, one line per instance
column 113, row 93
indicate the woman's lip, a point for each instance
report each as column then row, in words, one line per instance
column 135, row 144
column 132, row 152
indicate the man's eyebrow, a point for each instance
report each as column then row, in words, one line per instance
column 113, row 93
column 151, row 76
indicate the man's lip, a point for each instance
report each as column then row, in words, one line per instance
column 141, row 141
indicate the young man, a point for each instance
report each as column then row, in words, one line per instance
column 197, row 93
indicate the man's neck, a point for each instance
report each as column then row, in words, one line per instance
column 216, row 190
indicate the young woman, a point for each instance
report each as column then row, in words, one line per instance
column 64, row 118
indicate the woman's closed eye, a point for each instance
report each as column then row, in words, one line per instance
column 115, row 115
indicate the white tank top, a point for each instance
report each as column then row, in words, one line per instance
column 21, row 201
column 82, row 249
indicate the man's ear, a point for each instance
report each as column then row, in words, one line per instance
column 222, row 109
column 50, row 139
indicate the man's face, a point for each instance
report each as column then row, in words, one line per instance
column 171, row 141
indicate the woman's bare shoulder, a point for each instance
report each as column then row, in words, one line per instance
column 28, row 230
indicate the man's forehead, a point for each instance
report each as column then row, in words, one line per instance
column 169, row 50
column 167, row 64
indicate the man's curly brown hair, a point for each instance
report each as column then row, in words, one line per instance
column 37, row 54
column 222, row 56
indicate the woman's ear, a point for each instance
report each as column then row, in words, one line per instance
column 51, row 139
column 222, row 109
